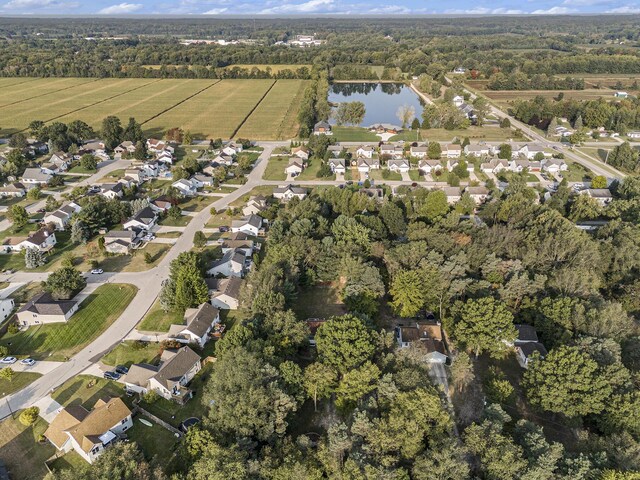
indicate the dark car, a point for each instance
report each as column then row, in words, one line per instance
column 111, row 375
column 41, row 210
column 414, row 184
column 122, row 370
column 223, row 229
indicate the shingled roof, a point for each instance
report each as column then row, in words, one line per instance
column 44, row 304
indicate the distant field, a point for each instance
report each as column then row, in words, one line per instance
column 259, row 109
column 259, row 66
column 504, row 97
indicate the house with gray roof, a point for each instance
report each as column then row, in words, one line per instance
column 198, row 324
column 35, row 177
column 225, row 292
column 43, row 308
column 232, row 264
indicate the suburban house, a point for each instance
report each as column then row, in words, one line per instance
column 6, row 307
column 335, row 150
column 201, row 181
column 120, row 242
column 289, row 192
column 322, row 128
column 424, row 335
column 185, row 187
column 633, row 134
column 250, row 225
column 452, row 151
column 232, row 264
column 232, row 148
column 169, row 378
column 198, row 324
column 61, row 160
column 165, row 156
column 161, row 204
column 43, row 240
column 302, row 152
column 240, row 241
column 60, row 218
column 225, row 292
column 95, row 147
column 554, row 165
column 401, row 166
column 156, row 146
column 145, row 219
column 44, row 309
column 294, row 168
column 458, row 100
column 367, row 164
column 394, row 151
column 419, row 152
column 478, row 194
column 476, row 150
column 15, row 189
column 112, row 190
column 337, row 165
column 222, row 159
column 33, row 177
column 601, row 195
column 519, row 165
column 255, row 205
column 89, row 433
column 495, row 165
column 453, row 194
column 125, row 147
column 427, row 167
column 365, row 151
column 526, row 344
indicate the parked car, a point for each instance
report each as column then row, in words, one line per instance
column 97, row 271
column 111, row 375
column 148, row 238
column 223, row 229
column 9, row 360
column 28, row 361
column 41, row 210
column 122, row 370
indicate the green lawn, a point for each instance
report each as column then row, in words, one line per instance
column 18, row 382
column 311, row 172
column 196, row 204
column 156, row 442
column 264, row 190
column 377, row 175
column 415, row 175
column 320, row 301
column 410, row 136
column 69, row 461
column 173, row 413
column 175, row 234
column 183, row 221
column 112, row 176
column 63, row 340
column 576, row 173
column 157, row 320
column 136, row 262
column 132, row 352
column 86, row 390
column 354, row 134
column 275, row 169
column 20, row 450
column 81, row 169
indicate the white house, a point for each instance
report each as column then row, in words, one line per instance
column 452, row 151
column 289, row 192
column 365, row 151
column 185, row 187
column 232, row 148
column 453, row 194
column 495, row 165
column 322, row 128
column 426, row 338
column 15, row 189
column 43, row 240
column 476, row 150
column 89, row 432
column 225, row 292
column 337, row 165
column 6, row 307
column 120, row 242
column 156, row 146
column 169, row 378
column 302, row 152
column 255, row 205
column 232, row 264
column 250, row 225
column 34, row 177
column 478, row 194
column 125, row 147
column 43, row 309
column 401, row 166
column 554, row 165
column 427, row 167
column 601, row 195
column 419, row 152
column 145, row 219
column 201, row 181
column 366, row 164
column 634, row 134
column 335, row 150
column 60, row 218
column 458, row 101
column 295, row 167
column 112, row 190
column 199, row 322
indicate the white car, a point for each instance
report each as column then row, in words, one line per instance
column 97, row 271
column 148, row 238
column 9, row 360
column 28, row 361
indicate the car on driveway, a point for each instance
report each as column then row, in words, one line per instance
column 28, row 361
column 111, row 375
column 97, row 271
column 149, row 238
column 8, row 360
column 122, row 370
column 223, row 229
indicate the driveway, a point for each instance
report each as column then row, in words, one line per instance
column 49, row 408
column 405, row 176
column 42, row 367
column 438, row 374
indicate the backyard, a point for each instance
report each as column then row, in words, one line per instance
column 20, row 450
column 319, row 301
column 59, row 341
column 18, row 382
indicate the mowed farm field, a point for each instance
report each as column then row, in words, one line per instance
column 505, row 97
column 259, row 109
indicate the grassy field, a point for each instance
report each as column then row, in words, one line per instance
column 207, row 108
column 354, row 134
column 58, row 341
column 85, row 390
column 273, row 116
column 18, row 382
column 157, row 320
column 320, row 301
column 156, row 442
column 20, row 450
column 504, row 97
column 129, row 352
column 275, row 169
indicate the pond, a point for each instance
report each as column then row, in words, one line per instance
column 381, row 100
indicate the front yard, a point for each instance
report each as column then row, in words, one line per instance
column 157, row 320
column 130, row 352
column 136, row 262
column 275, row 168
column 59, row 341
column 18, row 382
column 182, row 221
column 20, row 450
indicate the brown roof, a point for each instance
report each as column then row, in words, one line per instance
column 104, row 416
column 38, row 238
column 228, row 286
column 44, row 304
column 67, row 418
column 200, row 319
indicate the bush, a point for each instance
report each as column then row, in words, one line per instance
column 213, row 211
column 148, row 259
column 151, row 397
column 12, row 329
column 170, row 345
column 4, row 351
column 139, row 345
column 29, row 416
column 7, row 374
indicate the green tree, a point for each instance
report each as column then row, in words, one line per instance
column 344, row 343
column 199, row 239
column 34, row 193
column 29, row 416
column 88, row 162
column 355, row 384
column 80, row 232
column 33, row 258
column 567, row 381
column 133, row 132
column 441, row 462
column 599, row 181
column 408, row 292
column 18, row 216
column 64, row 282
column 7, row 373
column 148, row 258
column 505, row 151
column 111, row 132
column 393, row 217
column 434, row 150
column 462, row 372
column 191, row 289
column 319, row 382
column 485, row 325
column 551, row 128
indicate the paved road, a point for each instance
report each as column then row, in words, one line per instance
column 148, row 283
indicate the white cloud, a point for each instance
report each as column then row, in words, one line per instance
column 391, row 10
column 37, row 5
column 552, row 11
column 121, row 8
column 625, row 9
column 311, row 6
column 216, row 11
column 587, row 3
column 485, row 11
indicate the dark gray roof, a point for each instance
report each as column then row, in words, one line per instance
column 201, row 320
column 44, row 304
column 146, row 216
column 38, row 238
column 229, row 286
column 526, row 333
column 530, row 347
column 176, row 367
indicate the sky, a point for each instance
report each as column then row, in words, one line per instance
column 315, row 7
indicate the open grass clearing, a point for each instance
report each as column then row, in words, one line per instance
column 353, row 134
column 69, row 461
column 86, row 390
column 130, row 352
column 137, row 261
column 59, row 341
column 275, row 169
column 157, row 320
column 504, row 97
column 18, row 382
column 181, row 221
column 319, row 301
column 20, row 450
column 156, row 442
